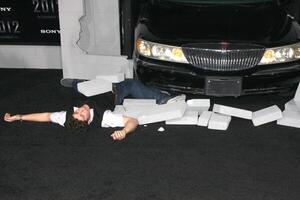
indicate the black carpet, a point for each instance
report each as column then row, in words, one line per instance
column 42, row 161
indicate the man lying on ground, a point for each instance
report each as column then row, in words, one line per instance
column 85, row 114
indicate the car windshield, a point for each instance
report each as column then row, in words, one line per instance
column 218, row 1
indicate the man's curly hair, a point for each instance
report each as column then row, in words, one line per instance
column 75, row 126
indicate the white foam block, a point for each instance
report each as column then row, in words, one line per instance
column 297, row 102
column 189, row 118
column 138, row 102
column 204, row 118
column 291, row 106
column 94, row 87
column 266, row 115
column 297, row 95
column 119, row 109
column 219, row 121
column 163, row 112
column 290, row 118
column 132, row 113
column 235, row 112
column 199, row 105
column 114, row 78
column 140, row 107
column 135, row 110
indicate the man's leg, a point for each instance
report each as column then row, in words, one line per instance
column 138, row 91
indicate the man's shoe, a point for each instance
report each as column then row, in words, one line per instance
column 70, row 82
column 178, row 98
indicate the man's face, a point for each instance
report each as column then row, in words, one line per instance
column 82, row 113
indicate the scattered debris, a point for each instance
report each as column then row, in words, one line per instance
column 161, row 129
column 297, row 97
column 186, row 113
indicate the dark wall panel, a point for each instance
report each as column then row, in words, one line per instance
column 29, row 22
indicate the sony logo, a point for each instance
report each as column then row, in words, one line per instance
column 5, row 9
column 48, row 31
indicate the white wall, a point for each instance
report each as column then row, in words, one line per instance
column 36, row 57
column 100, row 28
column 76, row 62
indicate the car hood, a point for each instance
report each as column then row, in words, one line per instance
column 268, row 25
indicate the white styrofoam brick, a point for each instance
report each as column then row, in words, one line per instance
column 139, row 107
column 199, row 105
column 290, row 118
column 139, row 102
column 219, row 121
column 266, row 115
column 297, row 95
column 291, row 106
column 114, row 78
column 189, row 118
column 297, row 102
column 235, row 112
column 163, row 112
column 135, row 110
column 119, row 109
column 132, row 113
column 94, row 87
column 204, row 118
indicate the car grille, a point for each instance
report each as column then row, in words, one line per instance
column 223, row 56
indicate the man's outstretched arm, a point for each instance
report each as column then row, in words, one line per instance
column 130, row 125
column 34, row 117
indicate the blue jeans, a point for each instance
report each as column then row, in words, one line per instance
column 136, row 89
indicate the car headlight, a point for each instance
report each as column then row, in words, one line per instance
column 281, row 54
column 160, row 51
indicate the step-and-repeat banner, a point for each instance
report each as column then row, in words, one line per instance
column 29, row 22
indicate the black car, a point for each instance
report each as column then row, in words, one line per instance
column 218, row 47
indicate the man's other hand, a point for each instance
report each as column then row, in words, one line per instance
column 118, row 135
column 10, row 118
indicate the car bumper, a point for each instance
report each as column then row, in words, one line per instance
column 185, row 78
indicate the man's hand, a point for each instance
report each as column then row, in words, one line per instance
column 119, row 135
column 11, row 118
